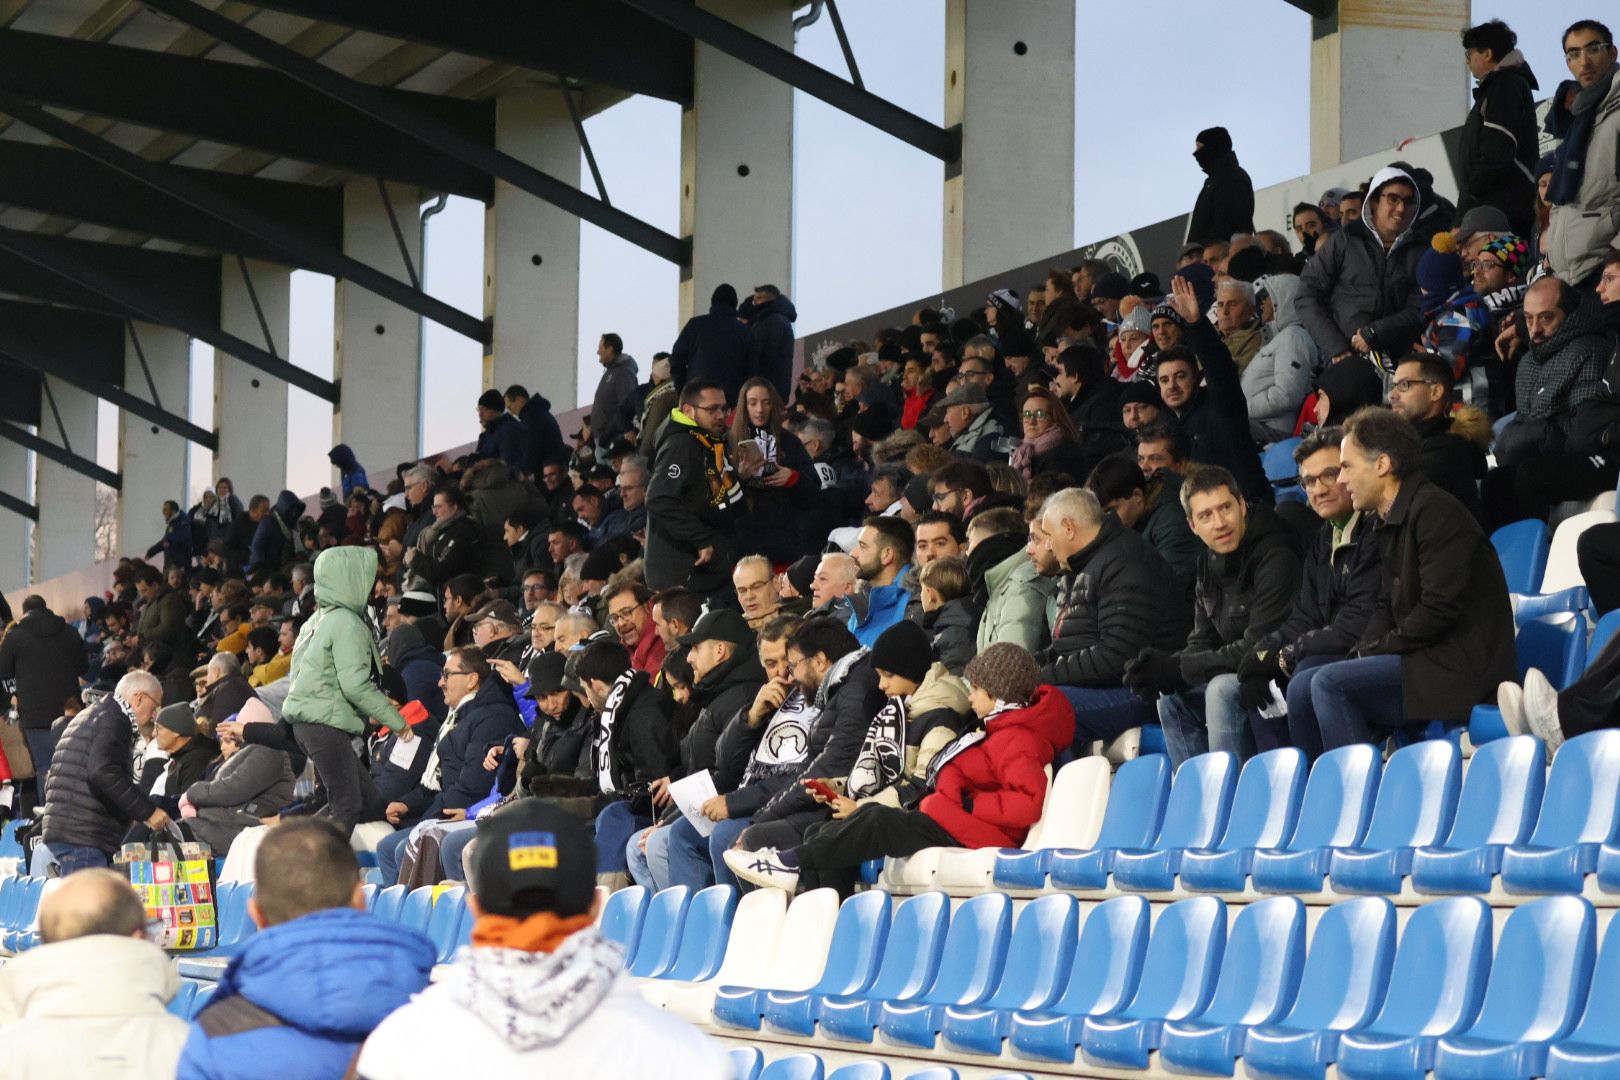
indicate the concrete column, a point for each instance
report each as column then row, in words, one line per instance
column 379, row 343
column 152, row 459
column 66, row 531
column 1013, row 195
column 737, row 163
column 1383, row 72
column 250, row 407
column 531, row 254
column 16, row 531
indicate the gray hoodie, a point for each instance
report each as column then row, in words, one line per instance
column 1280, row 376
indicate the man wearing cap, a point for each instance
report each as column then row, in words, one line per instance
column 541, row 992
column 190, row 753
column 1139, row 406
column 495, row 631
column 974, row 430
column 1226, row 201
column 1106, row 293
column 500, row 434
column 693, row 497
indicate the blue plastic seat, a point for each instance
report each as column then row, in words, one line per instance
column 794, row 1067
column 1135, row 808
column 911, row 957
column 12, row 939
column 1265, row 812
column 861, row 1070
column 417, row 908
column 1108, row 965
column 704, row 935
column 1278, row 462
column 1039, row 956
column 200, row 1000
column 1417, row 800
column 1195, row 817
column 1199, row 798
column 945, row 1072
column 1537, row 987
column 1537, row 605
column 852, row 959
column 1435, row 989
column 1500, row 800
column 661, row 932
column 368, row 890
column 1260, row 969
column 444, row 922
column 1338, row 802
column 1555, row 645
column 1592, row 1050
column 746, row 1061
column 180, row 1004
column 1522, row 549
column 1603, row 632
column 621, row 917
column 1346, row 975
column 389, row 901
column 1578, row 814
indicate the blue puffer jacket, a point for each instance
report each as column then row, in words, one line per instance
column 329, row 977
column 885, row 606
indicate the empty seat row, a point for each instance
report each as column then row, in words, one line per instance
column 1200, row 994
column 749, row 1064
column 19, row 912
column 1554, row 644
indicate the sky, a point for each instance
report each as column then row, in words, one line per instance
column 867, row 208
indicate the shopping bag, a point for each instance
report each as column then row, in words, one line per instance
column 175, row 881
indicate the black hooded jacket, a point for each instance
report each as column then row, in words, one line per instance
column 1500, row 144
column 1242, row 597
column 1117, row 599
column 45, row 657
column 772, row 324
column 1226, row 201
column 716, row 348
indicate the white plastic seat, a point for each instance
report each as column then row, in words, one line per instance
column 1563, row 570
column 921, row 872
column 756, row 927
column 368, row 834
column 238, row 866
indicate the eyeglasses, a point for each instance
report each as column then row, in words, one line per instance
column 620, row 617
column 446, row 675
column 1594, row 49
column 711, row 408
column 1325, row 477
column 533, row 589
column 941, row 496
column 1404, row 385
column 966, row 374
column 1035, row 414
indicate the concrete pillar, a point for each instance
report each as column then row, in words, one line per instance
column 66, row 531
column 737, row 163
column 152, row 459
column 1383, row 72
column 250, row 407
column 16, row 531
column 1013, row 194
column 379, row 343
column 531, row 255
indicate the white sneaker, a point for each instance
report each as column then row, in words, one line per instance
column 1510, row 702
column 762, row 868
column 1541, row 710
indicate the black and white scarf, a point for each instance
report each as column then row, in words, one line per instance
column 785, row 746
column 604, row 731
column 535, row 999
column 883, row 752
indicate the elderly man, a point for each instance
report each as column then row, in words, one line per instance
column 419, row 481
column 1236, row 321
column 90, row 1000
column 634, row 476
column 755, row 584
column 974, row 430
column 496, row 630
column 837, row 576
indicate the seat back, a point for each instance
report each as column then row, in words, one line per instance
column 417, row 908
column 1438, row 978
column 915, row 944
column 1602, row 633
column 661, row 932
column 756, row 928
column 1347, row 966
column 1075, row 806
column 1278, row 461
column 802, row 946
column 1136, row 803
column 1563, row 568
column 1338, row 799
column 1260, row 967
column 1417, row 796
column 444, row 923
column 794, row 1067
column 1501, row 793
column 746, row 1061
column 1553, row 644
column 1583, row 792
column 857, row 944
column 704, row 934
column 370, row 889
column 1600, row 1022
column 200, row 1000
column 622, row 915
column 1108, row 958
column 1522, row 548
column 1039, row 955
column 1200, row 799
column 861, row 1070
column 180, row 1004
column 975, row 950
column 1265, row 806
column 1183, row 956
column 1542, row 968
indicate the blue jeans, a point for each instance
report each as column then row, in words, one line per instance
column 73, row 857
column 451, row 849
column 1352, row 701
column 615, row 825
column 42, row 748
column 697, row 861
column 649, row 868
column 1182, row 717
column 390, row 853
column 1105, row 714
column 1244, row 731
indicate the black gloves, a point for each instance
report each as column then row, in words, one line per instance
column 1254, row 693
column 1154, row 672
column 1262, row 664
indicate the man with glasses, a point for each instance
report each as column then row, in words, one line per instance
column 1585, row 188
column 960, row 489
column 629, row 616
column 693, row 496
column 1452, row 458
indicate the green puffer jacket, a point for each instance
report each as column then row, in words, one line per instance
column 1021, row 607
column 335, row 659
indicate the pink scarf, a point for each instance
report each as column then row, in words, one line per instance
column 1023, row 455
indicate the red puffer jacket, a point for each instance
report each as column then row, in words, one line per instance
column 991, row 793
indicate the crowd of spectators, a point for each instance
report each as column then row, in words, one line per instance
column 861, row 611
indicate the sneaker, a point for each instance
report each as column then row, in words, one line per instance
column 1541, row 710
column 762, row 868
column 1510, row 702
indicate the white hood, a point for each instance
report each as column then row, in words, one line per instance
column 1389, row 174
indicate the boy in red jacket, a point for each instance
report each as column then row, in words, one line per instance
column 988, row 787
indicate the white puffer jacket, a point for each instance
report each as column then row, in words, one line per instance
column 1280, row 376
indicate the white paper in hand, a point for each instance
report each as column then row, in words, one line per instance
column 1278, row 706
column 690, row 793
column 404, row 753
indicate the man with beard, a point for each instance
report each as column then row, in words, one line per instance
column 882, row 551
column 693, row 496
column 630, row 618
column 1452, row 459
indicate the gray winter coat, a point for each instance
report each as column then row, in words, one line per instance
column 1279, row 377
column 255, row 782
column 1580, row 234
column 617, row 383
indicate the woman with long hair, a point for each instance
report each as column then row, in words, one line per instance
column 1051, row 443
column 781, row 483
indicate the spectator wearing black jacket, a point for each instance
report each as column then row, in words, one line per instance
column 1248, row 577
column 1339, row 592
column 501, row 435
column 1115, row 598
column 1225, row 204
column 1500, row 143
column 453, row 547
column 543, row 441
column 176, row 544
column 41, row 660
column 1451, row 459
column 716, row 347
column 1092, row 399
column 770, row 316
column 693, row 497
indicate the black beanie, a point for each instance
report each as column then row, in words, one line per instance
column 903, row 650
column 491, row 399
column 724, row 296
column 1248, row 264
column 1215, row 138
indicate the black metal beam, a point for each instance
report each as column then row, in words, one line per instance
column 291, row 246
column 242, row 105
column 1316, row 9
column 188, row 284
column 20, row 402
column 18, row 506
column 138, row 296
column 580, row 39
column 781, row 63
column 55, row 181
column 427, row 130
column 66, row 458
